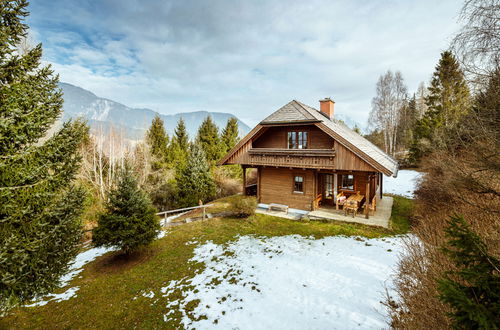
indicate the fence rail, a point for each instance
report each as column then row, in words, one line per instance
column 165, row 213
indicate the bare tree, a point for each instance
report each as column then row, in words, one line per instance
column 420, row 96
column 477, row 45
column 391, row 98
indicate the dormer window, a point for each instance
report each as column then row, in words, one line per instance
column 297, row 140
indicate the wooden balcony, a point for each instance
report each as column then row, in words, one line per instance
column 302, row 158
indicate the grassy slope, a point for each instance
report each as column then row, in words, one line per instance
column 109, row 284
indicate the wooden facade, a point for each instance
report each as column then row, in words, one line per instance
column 313, row 172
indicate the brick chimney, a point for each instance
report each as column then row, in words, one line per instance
column 326, row 107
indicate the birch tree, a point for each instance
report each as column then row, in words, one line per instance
column 391, row 97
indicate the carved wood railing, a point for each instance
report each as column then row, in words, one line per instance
column 307, row 158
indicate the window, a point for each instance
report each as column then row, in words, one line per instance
column 298, row 184
column 297, row 140
column 348, row 182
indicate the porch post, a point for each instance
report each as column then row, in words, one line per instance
column 367, row 198
column 381, row 187
column 244, row 180
column 258, row 183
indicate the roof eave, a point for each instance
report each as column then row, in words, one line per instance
column 290, row 122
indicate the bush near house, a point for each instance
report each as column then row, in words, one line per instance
column 243, row 207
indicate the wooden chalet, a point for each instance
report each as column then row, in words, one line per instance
column 306, row 159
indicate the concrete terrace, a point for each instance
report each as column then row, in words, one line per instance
column 381, row 217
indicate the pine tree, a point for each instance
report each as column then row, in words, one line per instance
column 157, row 140
column 230, row 134
column 473, row 291
column 209, row 140
column 39, row 207
column 129, row 220
column 195, row 180
column 448, row 101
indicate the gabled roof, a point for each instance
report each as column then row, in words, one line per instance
column 292, row 112
column 297, row 112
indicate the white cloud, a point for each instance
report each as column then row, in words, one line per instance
column 248, row 58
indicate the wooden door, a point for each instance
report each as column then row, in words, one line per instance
column 328, row 189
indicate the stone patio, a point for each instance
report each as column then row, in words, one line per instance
column 381, row 217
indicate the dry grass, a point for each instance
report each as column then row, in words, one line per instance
column 451, row 186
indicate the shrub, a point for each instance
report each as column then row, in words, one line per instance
column 243, row 207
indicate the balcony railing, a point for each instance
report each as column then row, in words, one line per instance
column 306, row 158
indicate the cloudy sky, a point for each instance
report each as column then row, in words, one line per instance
column 244, row 57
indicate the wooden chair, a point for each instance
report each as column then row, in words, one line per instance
column 350, row 206
column 372, row 207
column 339, row 202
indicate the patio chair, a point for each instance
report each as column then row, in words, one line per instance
column 350, row 207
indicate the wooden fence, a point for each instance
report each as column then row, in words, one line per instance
column 166, row 213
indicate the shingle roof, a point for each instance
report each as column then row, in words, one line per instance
column 291, row 112
column 296, row 111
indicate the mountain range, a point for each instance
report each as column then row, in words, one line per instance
column 103, row 114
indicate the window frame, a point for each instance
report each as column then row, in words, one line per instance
column 342, row 182
column 302, row 183
column 297, row 139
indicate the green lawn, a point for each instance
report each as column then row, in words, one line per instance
column 109, row 284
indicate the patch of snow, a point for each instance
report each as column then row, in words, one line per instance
column 76, row 267
column 404, row 184
column 71, row 292
column 82, row 259
column 288, row 282
column 150, row 294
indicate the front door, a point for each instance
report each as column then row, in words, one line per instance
column 328, row 189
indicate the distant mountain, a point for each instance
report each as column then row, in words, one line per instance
column 102, row 113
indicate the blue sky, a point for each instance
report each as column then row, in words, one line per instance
column 244, row 57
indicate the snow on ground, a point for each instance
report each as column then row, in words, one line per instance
column 404, row 184
column 288, row 282
column 77, row 267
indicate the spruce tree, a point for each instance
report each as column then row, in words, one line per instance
column 195, row 181
column 129, row 220
column 181, row 135
column 40, row 208
column 473, row 290
column 179, row 147
column 209, row 140
column 157, row 140
column 448, row 101
column 230, row 134
column 449, row 98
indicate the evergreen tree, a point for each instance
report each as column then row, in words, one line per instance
column 209, row 140
column 448, row 100
column 449, row 97
column 230, row 134
column 157, row 140
column 195, row 180
column 181, row 135
column 180, row 145
column 473, row 291
column 129, row 220
column 39, row 206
